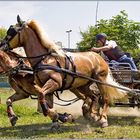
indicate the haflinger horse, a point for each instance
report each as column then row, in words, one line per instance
column 56, row 70
column 22, row 81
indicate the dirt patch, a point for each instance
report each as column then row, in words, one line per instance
column 124, row 111
column 75, row 108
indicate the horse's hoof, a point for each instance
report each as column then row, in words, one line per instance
column 94, row 118
column 65, row 117
column 13, row 120
column 104, row 124
column 87, row 116
column 70, row 118
column 55, row 126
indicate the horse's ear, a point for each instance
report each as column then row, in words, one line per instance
column 19, row 20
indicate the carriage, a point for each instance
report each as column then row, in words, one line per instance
column 124, row 75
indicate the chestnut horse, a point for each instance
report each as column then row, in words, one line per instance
column 22, row 81
column 49, row 61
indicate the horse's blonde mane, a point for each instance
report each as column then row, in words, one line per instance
column 45, row 42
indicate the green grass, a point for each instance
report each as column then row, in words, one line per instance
column 34, row 125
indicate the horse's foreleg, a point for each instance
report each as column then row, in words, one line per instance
column 49, row 99
column 49, row 87
column 78, row 94
column 86, row 105
column 86, row 108
column 90, row 106
column 11, row 115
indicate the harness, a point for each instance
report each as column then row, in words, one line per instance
column 20, row 66
column 68, row 62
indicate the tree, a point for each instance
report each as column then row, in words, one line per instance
column 2, row 33
column 3, row 78
column 119, row 28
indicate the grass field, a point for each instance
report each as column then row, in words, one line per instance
column 123, row 122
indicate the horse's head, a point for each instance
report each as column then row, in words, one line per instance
column 28, row 34
column 12, row 38
column 10, row 62
column 3, row 61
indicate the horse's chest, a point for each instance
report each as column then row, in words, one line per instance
column 41, row 77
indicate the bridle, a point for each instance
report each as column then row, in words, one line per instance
column 15, row 70
column 11, row 33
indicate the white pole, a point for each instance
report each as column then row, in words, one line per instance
column 96, row 17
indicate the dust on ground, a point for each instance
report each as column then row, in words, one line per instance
column 76, row 110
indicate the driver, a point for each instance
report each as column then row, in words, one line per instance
column 112, row 50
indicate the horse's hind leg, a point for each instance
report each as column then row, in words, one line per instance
column 103, row 90
column 90, row 106
column 103, row 116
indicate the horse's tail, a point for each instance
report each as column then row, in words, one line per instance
column 116, row 92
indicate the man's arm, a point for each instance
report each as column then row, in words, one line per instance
column 104, row 48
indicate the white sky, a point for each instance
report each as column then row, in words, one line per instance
column 56, row 17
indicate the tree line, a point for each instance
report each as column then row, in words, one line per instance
column 124, row 31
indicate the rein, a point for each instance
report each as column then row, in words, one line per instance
column 72, row 73
column 33, row 57
column 70, row 101
column 78, row 74
column 62, row 70
column 74, row 100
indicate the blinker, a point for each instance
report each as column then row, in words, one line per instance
column 11, row 31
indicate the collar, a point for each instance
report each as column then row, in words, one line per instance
column 107, row 42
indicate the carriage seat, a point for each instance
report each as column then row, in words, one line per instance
column 122, row 72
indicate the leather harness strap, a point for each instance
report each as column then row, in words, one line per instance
column 73, row 69
column 68, row 62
